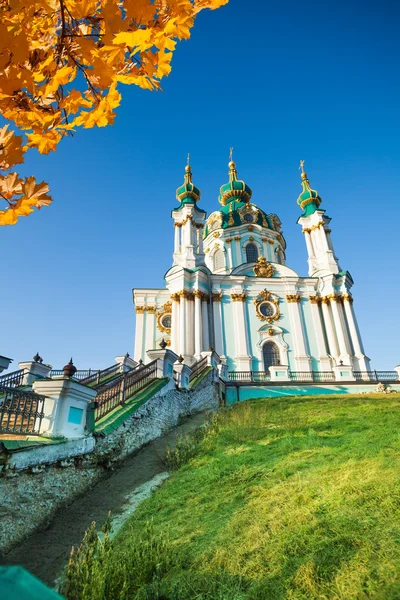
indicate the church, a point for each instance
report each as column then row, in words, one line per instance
column 229, row 288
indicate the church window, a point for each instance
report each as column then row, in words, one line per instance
column 251, row 253
column 271, row 355
column 248, row 218
column 267, row 309
column 166, row 321
column 214, row 225
column 219, row 260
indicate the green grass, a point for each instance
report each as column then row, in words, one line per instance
column 274, row 499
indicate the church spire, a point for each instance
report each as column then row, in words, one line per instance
column 188, row 193
column 235, row 189
column 309, row 199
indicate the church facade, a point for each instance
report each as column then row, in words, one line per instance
column 229, row 288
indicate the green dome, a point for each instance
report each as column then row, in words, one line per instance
column 235, row 214
column 234, row 190
column 188, row 193
column 309, row 200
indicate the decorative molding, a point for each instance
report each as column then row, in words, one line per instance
column 207, row 250
column 237, row 238
column 165, row 310
column 168, row 342
column 251, row 239
column 266, row 296
column 175, row 297
column 272, row 242
column 238, row 297
column 293, row 298
column 216, row 297
column 199, row 294
column 348, row 297
column 150, row 309
column 325, row 300
column 263, row 268
column 216, row 234
column 250, row 228
column 264, row 239
column 139, row 310
column 228, row 240
column 271, row 331
column 314, row 299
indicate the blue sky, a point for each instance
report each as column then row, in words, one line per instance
column 279, row 80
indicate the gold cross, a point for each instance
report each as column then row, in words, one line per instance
column 231, row 154
column 302, row 165
column 188, row 159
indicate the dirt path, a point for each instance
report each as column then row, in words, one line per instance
column 45, row 552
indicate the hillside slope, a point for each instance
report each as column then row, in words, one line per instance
column 282, row 499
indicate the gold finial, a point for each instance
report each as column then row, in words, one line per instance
column 301, row 167
column 187, row 168
column 231, row 162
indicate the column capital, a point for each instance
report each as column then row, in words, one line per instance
column 315, row 299
column 237, row 238
column 348, row 298
column 175, row 297
column 139, row 310
column 228, row 240
column 150, row 309
column 238, row 297
column 217, row 297
column 293, row 298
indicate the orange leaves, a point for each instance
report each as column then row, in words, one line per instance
column 60, row 63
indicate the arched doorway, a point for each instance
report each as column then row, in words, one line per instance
column 271, row 355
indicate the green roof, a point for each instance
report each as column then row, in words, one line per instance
column 309, row 200
column 235, row 189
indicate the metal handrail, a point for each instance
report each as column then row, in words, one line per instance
column 315, row 376
column 115, row 393
column 198, row 368
column 13, row 379
column 20, row 411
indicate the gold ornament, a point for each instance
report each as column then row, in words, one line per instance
column 293, row 298
column 238, row 297
column 266, row 296
column 263, row 268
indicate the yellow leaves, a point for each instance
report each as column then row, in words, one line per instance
column 103, row 114
column 44, row 141
column 11, row 152
column 60, row 63
column 32, row 195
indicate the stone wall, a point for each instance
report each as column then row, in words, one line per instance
column 30, row 496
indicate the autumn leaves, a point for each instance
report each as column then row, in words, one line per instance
column 60, row 64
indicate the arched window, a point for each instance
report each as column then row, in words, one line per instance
column 219, row 260
column 280, row 257
column 271, row 355
column 251, row 253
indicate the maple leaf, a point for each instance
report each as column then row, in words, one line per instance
column 11, row 152
column 45, row 141
column 35, row 193
column 10, row 185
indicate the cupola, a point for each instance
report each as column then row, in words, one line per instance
column 235, row 189
column 309, row 200
column 188, row 193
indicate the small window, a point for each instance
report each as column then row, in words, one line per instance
column 248, row 218
column 166, row 321
column 219, row 260
column 267, row 309
column 251, row 253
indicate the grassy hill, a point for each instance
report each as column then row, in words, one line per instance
column 274, row 499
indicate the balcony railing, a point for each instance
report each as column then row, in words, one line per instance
column 114, row 394
column 20, row 412
column 314, row 376
column 13, row 379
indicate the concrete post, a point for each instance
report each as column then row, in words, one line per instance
column 34, row 370
column 4, row 363
column 166, row 360
column 65, row 406
column 398, row 371
column 343, row 373
column 126, row 363
column 279, row 373
column 183, row 372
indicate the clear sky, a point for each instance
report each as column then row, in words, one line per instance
column 280, row 80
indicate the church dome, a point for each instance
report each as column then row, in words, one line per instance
column 188, row 193
column 235, row 189
column 309, row 200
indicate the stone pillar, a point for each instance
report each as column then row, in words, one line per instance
column 183, row 373
column 302, row 359
column 182, row 323
column 177, row 245
column 343, row 373
column 34, row 370
column 205, row 321
column 330, row 331
column 198, row 324
column 150, row 327
column 237, row 251
column 243, row 360
column 165, row 363
column 279, row 373
column 175, row 323
column 228, row 242
column 126, row 363
column 190, row 333
column 309, row 244
column 4, row 363
column 65, row 406
column 218, row 339
column 363, row 361
column 341, row 333
column 138, row 352
column 324, row 360
column 265, row 247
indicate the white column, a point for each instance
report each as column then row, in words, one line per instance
column 138, row 352
column 218, row 339
column 265, row 249
column 359, row 351
column 309, row 244
column 175, row 323
column 182, row 324
column 150, row 328
column 243, row 360
column 190, row 331
column 228, row 242
column 330, row 332
column 341, row 335
column 206, row 334
column 237, row 253
column 176, row 244
column 198, row 325
column 301, row 357
column 324, row 360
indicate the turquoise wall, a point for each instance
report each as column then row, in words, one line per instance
column 247, row 392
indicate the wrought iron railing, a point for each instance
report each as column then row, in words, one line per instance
column 99, row 375
column 198, row 368
column 115, row 393
column 313, row 376
column 77, row 375
column 256, row 376
column 20, row 411
column 13, row 379
column 376, row 376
